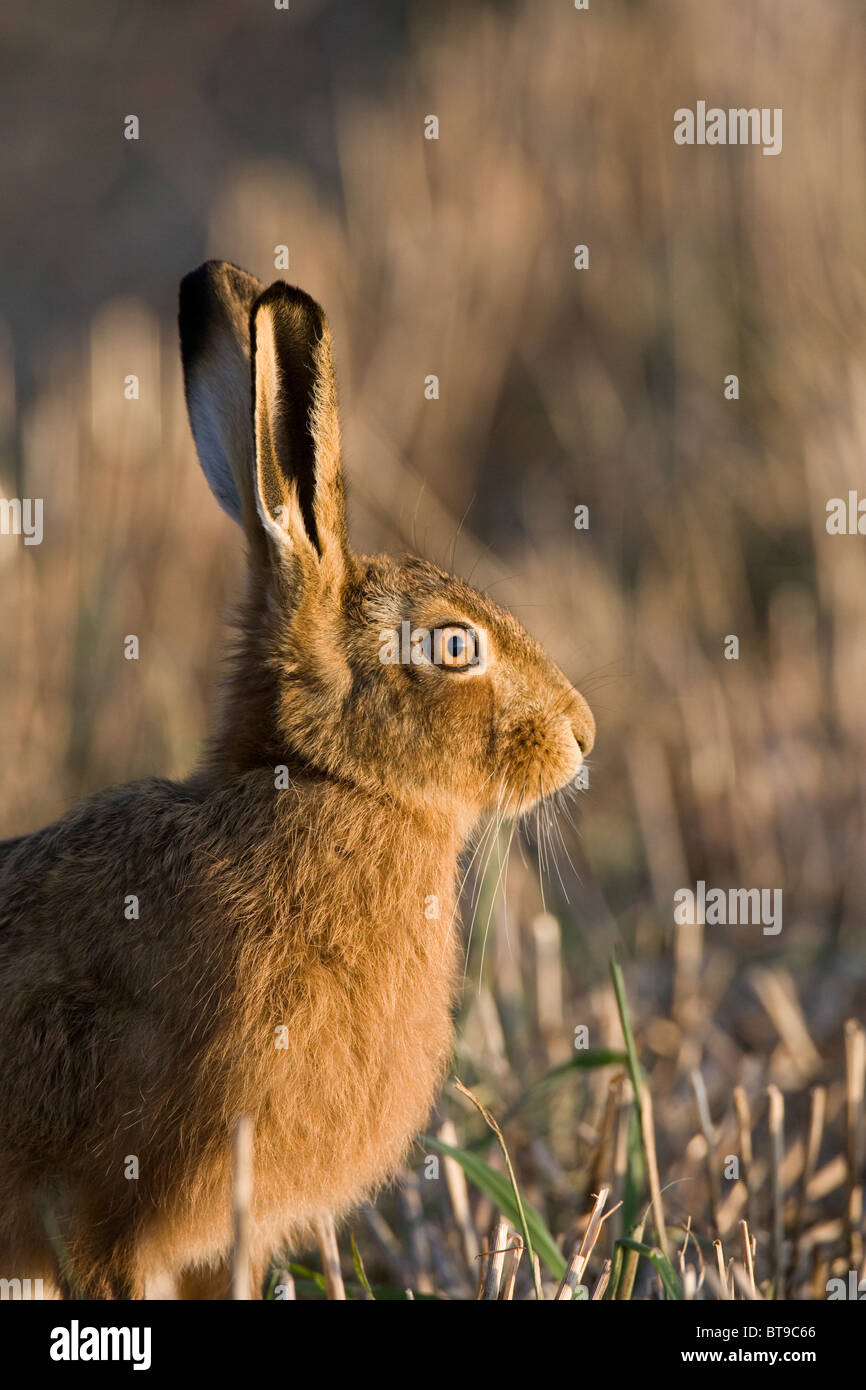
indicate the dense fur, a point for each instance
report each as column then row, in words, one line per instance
column 287, row 885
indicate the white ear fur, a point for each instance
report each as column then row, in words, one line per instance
column 298, row 479
column 276, row 501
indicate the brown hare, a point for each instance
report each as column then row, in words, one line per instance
column 294, row 954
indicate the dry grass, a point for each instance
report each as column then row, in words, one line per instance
column 707, row 518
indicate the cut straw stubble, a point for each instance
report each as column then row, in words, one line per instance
column 855, row 1077
column 580, row 1259
column 242, row 1188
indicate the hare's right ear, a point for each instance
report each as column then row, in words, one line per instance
column 215, row 305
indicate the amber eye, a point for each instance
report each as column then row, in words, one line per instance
column 456, row 648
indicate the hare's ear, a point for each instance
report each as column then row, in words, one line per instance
column 215, row 305
column 298, row 475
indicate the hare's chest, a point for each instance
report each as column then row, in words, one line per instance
column 353, row 1072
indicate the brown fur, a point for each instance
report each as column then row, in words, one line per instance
column 261, row 908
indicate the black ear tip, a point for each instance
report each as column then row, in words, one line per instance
column 208, row 275
column 217, row 294
column 293, row 304
column 220, row 279
column 195, row 310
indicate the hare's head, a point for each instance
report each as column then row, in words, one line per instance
column 389, row 674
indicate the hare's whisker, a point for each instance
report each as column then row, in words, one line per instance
column 503, row 880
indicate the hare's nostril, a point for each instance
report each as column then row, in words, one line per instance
column 584, row 734
column 582, row 724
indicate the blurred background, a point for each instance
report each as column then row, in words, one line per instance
column 558, row 387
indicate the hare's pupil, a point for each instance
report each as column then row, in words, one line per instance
column 456, row 646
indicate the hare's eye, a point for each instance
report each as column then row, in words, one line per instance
column 456, row 648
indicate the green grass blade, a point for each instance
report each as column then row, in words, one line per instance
column 498, row 1188
column 635, row 1185
column 309, row 1276
column 582, row 1061
column 671, row 1282
column 360, row 1270
column 628, row 1034
column 628, row 1259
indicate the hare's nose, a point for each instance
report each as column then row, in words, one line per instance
column 582, row 724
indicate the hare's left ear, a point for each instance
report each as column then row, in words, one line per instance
column 298, row 475
column 215, row 305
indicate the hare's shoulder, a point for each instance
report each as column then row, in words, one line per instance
column 106, row 845
column 97, row 825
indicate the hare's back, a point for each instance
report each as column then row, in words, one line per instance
column 93, row 902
